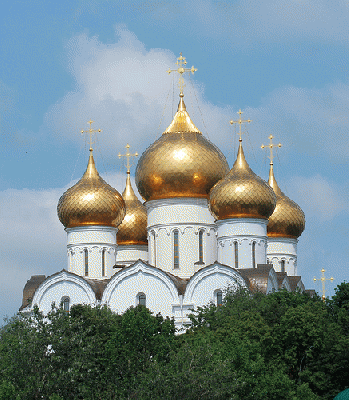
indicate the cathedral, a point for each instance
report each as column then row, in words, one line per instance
column 202, row 228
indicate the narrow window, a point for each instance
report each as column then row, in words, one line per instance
column 103, row 262
column 86, row 262
column 282, row 262
column 175, row 249
column 141, row 299
column 65, row 303
column 236, row 254
column 154, row 247
column 253, row 254
column 201, row 253
column 219, row 298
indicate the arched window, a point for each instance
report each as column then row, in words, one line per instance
column 141, row 299
column 219, row 298
column 65, row 303
column 201, row 252
column 236, row 251
column 282, row 262
column 86, row 262
column 253, row 254
column 103, row 262
column 175, row 249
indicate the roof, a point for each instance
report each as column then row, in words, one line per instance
column 295, row 282
column 29, row 289
column 257, row 278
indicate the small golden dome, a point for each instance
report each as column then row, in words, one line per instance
column 181, row 163
column 242, row 194
column 133, row 229
column 288, row 219
column 91, row 201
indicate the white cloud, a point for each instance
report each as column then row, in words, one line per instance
column 319, row 197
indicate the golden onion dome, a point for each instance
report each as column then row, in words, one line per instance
column 181, row 163
column 91, row 201
column 133, row 229
column 242, row 194
column 288, row 219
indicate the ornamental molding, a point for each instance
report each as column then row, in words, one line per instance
column 182, row 227
column 92, row 228
column 138, row 268
column 283, row 240
column 235, row 221
column 90, row 247
column 62, row 277
column 181, row 201
column 214, row 269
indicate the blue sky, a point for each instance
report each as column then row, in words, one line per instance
column 285, row 64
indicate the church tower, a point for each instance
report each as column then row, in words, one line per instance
column 242, row 203
column 132, row 233
column 285, row 225
column 90, row 211
column 175, row 175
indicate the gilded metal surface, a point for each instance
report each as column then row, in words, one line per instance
column 181, row 163
column 91, row 201
column 181, row 62
column 240, row 122
column 288, row 219
column 133, row 229
column 242, row 194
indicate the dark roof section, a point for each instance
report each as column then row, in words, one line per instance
column 310, row 292
column 29, row 289
column 294, row 282
column 281, row 277
column 97, row 285
column 257, row 278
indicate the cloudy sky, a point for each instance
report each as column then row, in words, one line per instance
column 284, row 63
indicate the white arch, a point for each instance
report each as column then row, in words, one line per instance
column 63, row 284
column 121, row 291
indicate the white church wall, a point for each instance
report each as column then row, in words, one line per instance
column 122, row 290
column 250, row 235
column 62, row 285
column 187, row 216
column 98, row 245
column 129, row 254
column 283, row 252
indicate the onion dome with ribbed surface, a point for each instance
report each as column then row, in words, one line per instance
column 181, row 163
column 242, row 194
column 91, row 201
column 288, row 219
column 133, row 229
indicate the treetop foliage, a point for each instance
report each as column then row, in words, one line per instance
column 284, row 345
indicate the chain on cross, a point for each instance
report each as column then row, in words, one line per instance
column 128, row 156
column 91, row 132
column 271, row 146
column 181, row 62
column 240, row 122
column 323, row 280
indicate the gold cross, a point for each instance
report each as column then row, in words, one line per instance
column 91, row 132
column 180, row 62
column 323, row 280
column 271, row 145
column 128, row 156
column 240, row 122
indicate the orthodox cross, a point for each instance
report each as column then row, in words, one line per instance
column 240, row 122
column 323, row 280
column 128, row 156
column 271, row 145
column 181, row 62
column 91, row 132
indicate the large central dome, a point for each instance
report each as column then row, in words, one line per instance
column 181, row 163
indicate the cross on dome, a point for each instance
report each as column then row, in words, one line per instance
column 181, row 62
column 271, row 145
column 91, row 132
column 323, row 280
column 240, row 122
column 128, row 156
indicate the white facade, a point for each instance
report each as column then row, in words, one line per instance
column 130, row 253
column 92, row 251
column 242, row 242
column 282, row 253
column 180, row 220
